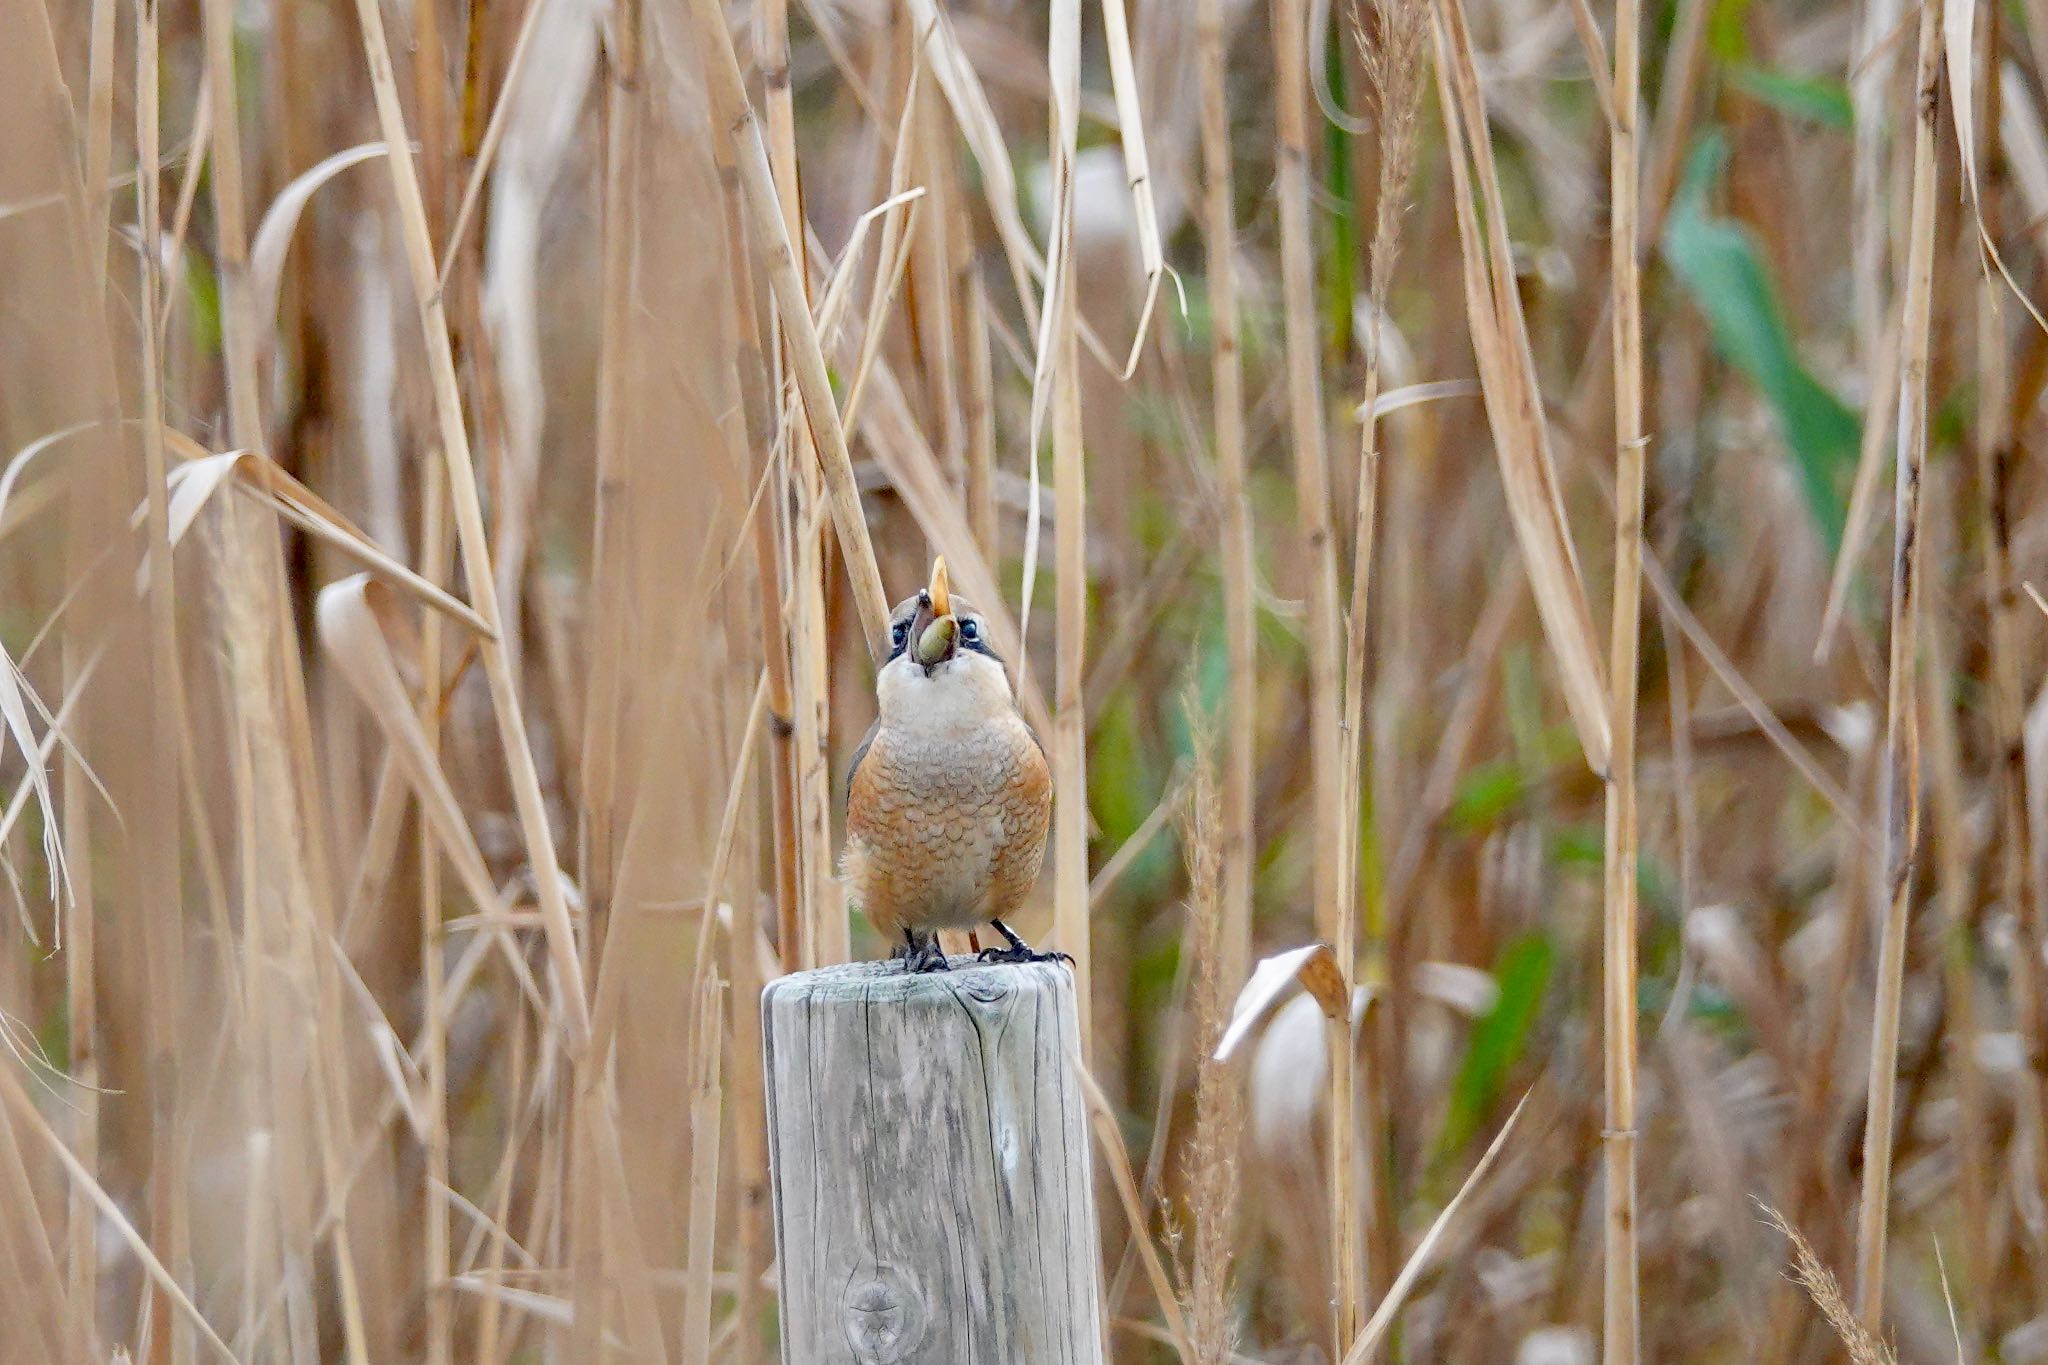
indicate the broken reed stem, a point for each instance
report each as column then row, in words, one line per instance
column 1234, row 837
column 469, row 526
column 1335, row 912
column 1622, row 1286
column 1901, row 777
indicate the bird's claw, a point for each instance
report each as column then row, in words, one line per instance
column 1022, row 953
column 928, row 958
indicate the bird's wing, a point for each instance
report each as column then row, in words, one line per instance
column 861, row 753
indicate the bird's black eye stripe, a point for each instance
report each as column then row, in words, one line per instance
column 973, row 637
column 899, row 637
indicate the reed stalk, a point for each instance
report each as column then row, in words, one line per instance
column 1336, row 912
column 1070, row 725
column 1226, row 377
column 1901, row 773
column 1998, row 461
column 1622, row 1315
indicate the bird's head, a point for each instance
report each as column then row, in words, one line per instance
column 941, row 668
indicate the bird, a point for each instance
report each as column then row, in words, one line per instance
column 949, row 796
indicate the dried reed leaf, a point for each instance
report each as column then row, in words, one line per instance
column 1313, row 967
column 273, row 237
column 1514, row 408
column 194, row 482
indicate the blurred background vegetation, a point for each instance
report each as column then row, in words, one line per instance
column 384, row 952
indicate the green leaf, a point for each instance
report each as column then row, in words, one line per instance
column 1499, row 1038
column 1486, row 794
column 1817, row 99
column 1727, row 36
column 1721, row 267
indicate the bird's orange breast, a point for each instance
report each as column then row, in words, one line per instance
column 946, row 830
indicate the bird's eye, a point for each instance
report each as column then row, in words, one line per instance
column 970, row 630
column 899, row 633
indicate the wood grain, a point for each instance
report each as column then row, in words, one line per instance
column 927, row 1137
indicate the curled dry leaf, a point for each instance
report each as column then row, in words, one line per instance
column 1313, row 966
column 274, row 236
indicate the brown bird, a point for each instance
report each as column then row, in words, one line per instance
column 949, row 796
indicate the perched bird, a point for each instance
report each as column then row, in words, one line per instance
column 949, row 796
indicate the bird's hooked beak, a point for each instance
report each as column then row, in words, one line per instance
column 934, row 631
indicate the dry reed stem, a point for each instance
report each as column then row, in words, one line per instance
column 1102, row 1118
column 779, row 248
column 1623, row 1290
column 618, row 234
column 1958, row 884
column 99, row 138
column 166, row 1284
column 1212, row 1155
column 1234, row 941
column 1335, row 910
column 1130, row 117
column 705, row 1122
column 1840, row 802
column 1863, row 492
column 275, row 789
column 161, row 827
column 1060, row 370
column 1393, row 65
column 469, row 525
column 435, row 566
column 494, row 133
column 1901, row 776
column 1998, row 457
column 1374, row 1334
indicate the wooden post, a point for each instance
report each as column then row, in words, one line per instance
column 929, row 1145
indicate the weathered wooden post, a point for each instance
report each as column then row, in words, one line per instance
column 929, row 1144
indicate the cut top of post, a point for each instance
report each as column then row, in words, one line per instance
column 929, row 1147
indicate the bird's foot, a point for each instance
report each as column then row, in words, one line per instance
column 923, row 957
column 1019, row 950
column 1022, row 953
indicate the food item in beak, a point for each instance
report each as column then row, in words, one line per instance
column 940, row 590
column 937, row 640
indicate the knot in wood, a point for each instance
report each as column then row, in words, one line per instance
column 984, row 988
column 884, row 1316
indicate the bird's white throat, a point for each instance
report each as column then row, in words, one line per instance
column 967, row 690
